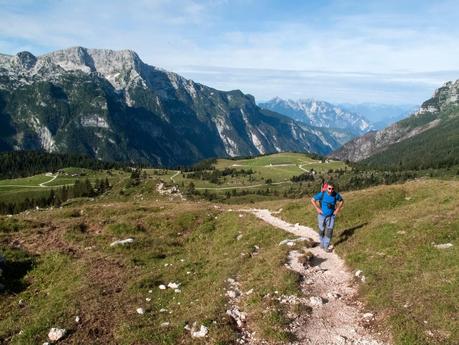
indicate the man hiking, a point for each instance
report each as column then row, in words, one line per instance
column 328, row 203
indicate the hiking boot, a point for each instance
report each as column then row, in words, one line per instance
column 328, row 249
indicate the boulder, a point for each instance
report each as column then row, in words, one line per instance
column 56, row 334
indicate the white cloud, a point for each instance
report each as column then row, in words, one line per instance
column 366, row 52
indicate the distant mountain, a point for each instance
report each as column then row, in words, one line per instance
column 381, row 115
column 110, row 105
column 320, row 114
column 428, row 138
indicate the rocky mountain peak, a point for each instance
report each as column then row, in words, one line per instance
column 445, row 96
column 94, row 59
column 320, row 114
column 25, row 59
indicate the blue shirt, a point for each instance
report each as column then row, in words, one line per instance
column 328, row 202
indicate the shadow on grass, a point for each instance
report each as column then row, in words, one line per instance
column 348, row 233
column 13, row 273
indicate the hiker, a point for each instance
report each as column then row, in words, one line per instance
column 328, row 204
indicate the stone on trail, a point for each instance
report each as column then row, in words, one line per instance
column 56, row 334
column 291, row 242
column 316, row 300
column 368, row 317
column 333, row 295
column 231, row 294
column 122, row 242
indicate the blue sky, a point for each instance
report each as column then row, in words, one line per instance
column 340, row 51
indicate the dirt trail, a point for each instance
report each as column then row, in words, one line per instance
column 337, row 316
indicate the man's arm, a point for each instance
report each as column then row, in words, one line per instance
column 315, row 203
column 339, row 206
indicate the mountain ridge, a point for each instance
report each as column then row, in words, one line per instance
column 440, row 111
column 320, row 114
column 111, row 105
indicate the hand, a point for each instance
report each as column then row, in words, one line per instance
column 319, row 211
column 335, row 213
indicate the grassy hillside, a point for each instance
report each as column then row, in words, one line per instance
column 390, row 232
column 59, row 265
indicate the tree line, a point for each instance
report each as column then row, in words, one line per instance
column 27, row 163
column 55, row 197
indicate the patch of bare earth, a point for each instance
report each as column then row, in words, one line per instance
column 102, row 304
column 337, row 316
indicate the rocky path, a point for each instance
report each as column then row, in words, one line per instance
column 337, row 316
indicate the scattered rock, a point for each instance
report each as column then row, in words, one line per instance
column 316, row 300
column 299, row 239
column 239, row 237
column 56, row 334
column 443, row 245
column 401, row 232
column 140, row 311
column 122, row 242
column 77, row 319
column 203, row 330
column 237, row 315
column 173, row 285
column 359, row 274
column 340, row 340
column 333, row 295
column 177, row 290
column 162, row 310
column 367, row 317
column 148, row 299
column 150, row 291
column 231, row 294
column 165, row 324
column 162, row 287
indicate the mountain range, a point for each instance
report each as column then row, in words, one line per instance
column 427, row 138
column 112, row 106
column 320, row 114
